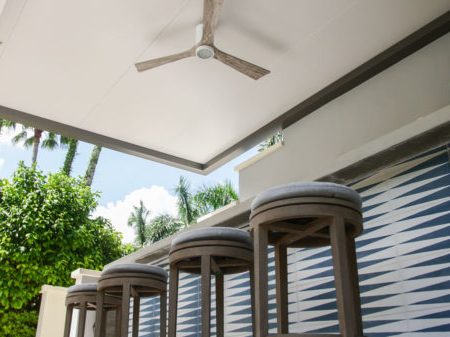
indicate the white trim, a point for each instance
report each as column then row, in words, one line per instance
column 47, row 288
column 259, row 156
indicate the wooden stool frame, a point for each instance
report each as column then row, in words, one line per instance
column 126, row 286
column 203, row 257
column 86, row 301
column 323, row 221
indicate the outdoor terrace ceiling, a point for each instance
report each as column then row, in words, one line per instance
column 69, row 66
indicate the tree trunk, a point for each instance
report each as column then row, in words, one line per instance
column 70, row 156
column 95, row 154
column 36, row 141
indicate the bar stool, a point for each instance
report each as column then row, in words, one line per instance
column 221, row 250
column 128, row 281
column 307, row 215
column 84, row 298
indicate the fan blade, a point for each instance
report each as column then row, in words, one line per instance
column 211, row 13
column 242, row 66
column 141, row 66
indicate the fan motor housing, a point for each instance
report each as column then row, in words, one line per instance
column 204, row 52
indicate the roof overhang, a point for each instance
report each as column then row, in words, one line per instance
column 205, row 153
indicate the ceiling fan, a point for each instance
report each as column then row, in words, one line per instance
column 205, row 48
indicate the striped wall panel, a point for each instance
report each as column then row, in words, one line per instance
column 403, row 261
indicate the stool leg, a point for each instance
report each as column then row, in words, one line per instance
column 99, row 313
column 206, row 295
column 81, row 319
column 118, row 321
column 219, row 305
column 261, row 282
column 68, row 323
column 104, row 322
column 252, row 299
column 136, row 312
column 173, row 300
column 125, row 310
column 163, row 314
column 281, row 274
column 346, row 279
column 354, row 276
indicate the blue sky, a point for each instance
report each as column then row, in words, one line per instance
column 122, row 179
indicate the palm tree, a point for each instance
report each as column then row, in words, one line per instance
column 161, row 227
column 72, row 145
column 276, row 138
column 50, row 140
column 209, row 198
column 138, row 220
column 93, row 161
column 186, row 210
column 190, row 207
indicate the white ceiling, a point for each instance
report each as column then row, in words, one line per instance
column 73, row 62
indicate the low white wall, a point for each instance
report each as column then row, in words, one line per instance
column 359, row 123
column 52, row 312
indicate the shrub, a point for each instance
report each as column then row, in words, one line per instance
column 46, row 232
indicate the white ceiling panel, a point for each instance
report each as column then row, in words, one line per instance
column 73, row 62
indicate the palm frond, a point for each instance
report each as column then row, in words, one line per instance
column 161, row 227
column 6, row 124
column 186, row 209
column 23, row 137
column 50, row 141
column 210, row 198
column 64, row 141
column 138, row 220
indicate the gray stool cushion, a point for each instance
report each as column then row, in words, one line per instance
column 308, row 189
column 214, row 233
column 81, row 288
column 136, row 268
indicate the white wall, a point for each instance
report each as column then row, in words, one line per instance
column 360, row 123
column 52, row 312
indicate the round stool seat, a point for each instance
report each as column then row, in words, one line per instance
column 83, row 288
column 209, row 252
column 136, row 268
column 130, row 281
column 308, row 189
column 213, row 234
column 306, row 215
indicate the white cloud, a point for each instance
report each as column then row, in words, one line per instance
column 156, row 199
column 2, row 162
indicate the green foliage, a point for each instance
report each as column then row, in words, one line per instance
column 209, row 198
column 138, row 220
column 271, row 141
column 6, row 125
column 186, row 210
column 161, row 227
column 18, row 323
column 192, row 205
column 45, row 233
column 128, row 248
column 72, row 145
